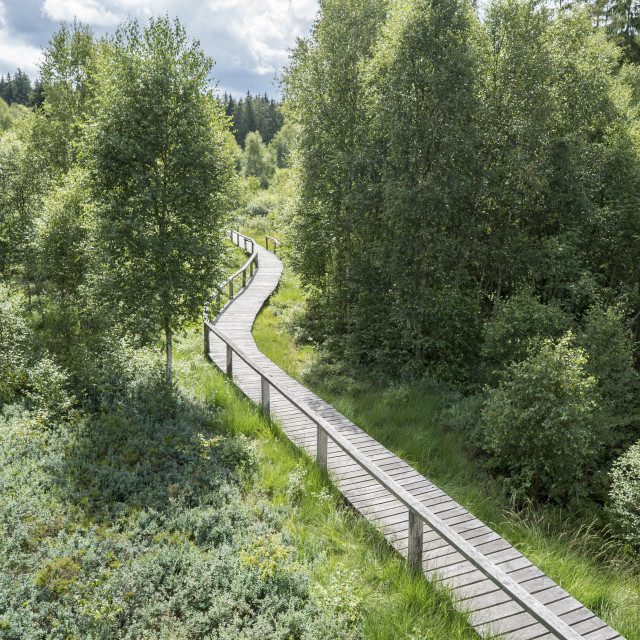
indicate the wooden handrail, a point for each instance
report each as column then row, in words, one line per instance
column 251, row 264
column 417, row 512
column 276, row 243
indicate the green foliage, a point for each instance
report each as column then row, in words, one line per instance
column 13, row 347
column 253, row 113
column 464, row 415
column 67, row 78
column 625, row 496
column 64, row 236
column 447, row 162
column 518, row 322
column 21, row 186
column 609, row 343
column 257, row 160
column 540, row 423
column 160, row 173
column 10, row 114
column 332, row 214
column 282, row 145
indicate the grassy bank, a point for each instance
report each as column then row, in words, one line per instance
column 577, row 556
column 351, row 565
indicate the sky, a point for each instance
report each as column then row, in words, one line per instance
column 247, row 39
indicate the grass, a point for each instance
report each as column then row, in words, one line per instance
column 575, row 554
column 348, row 558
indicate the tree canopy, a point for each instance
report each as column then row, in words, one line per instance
column 159, row 172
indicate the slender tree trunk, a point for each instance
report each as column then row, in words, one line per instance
column 168, row 339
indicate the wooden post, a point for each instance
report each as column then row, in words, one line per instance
column 251, row 269
column 244, row 243
column 416, row 528
column 266, row 399
column 244, row 278
column 218, row 300
column 321, row 448
column 230, row 362
column 230, row 288
column 207, row 345
column 275, row 247
column 266, row 243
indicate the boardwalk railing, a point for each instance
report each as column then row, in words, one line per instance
column 275, row 242
column 227, row 288
column 417, row 513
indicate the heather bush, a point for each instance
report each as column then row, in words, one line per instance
column 137, row 521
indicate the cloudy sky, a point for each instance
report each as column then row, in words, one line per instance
column 248, row 39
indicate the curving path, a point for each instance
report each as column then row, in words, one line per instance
column 490, row 609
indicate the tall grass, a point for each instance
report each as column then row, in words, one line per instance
column 582, row 559
column 349, row 561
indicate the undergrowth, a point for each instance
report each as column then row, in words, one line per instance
column 352, row 569
column 573, row 550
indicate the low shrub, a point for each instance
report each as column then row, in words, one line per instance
column 464, row 415
column 138, row 520
column 624, row 497
column 540, row 423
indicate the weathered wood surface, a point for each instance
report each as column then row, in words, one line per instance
column 491, row 610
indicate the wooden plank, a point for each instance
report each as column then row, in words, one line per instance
column 366, row 494
column 607, row 633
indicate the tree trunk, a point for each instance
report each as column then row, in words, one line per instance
column 168, row 338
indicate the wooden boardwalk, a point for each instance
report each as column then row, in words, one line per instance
column 491, row 610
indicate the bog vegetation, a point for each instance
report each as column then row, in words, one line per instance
column 129, row 507
column 458, row 191
column 465, row 210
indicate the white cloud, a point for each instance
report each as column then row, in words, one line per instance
column 15, row 51
column 88, row 11
column 265, row 28
column 256, row 32
column 248, row 39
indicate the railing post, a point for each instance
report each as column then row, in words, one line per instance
column 251, row 269
column 207, row 344
column 321, row 448
column 230, row 288
column 244, row 278
column 218, row 300
column 266, row 399
column 416, row 528
column 275, row 247
column 244, row 243
column 230, row 362
column 266, row 243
